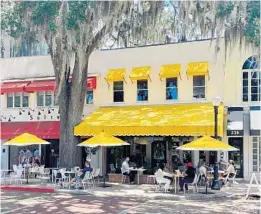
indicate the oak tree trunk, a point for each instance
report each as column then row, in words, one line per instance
column 71, row 103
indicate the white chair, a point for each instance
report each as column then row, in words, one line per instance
column 194, row 184
column 64, row 177
column 44, row 174
column 88, row 179
column 161, row 181
column 3, row 178
column 230, row 181
column 55, row 173
column 16, row 176
column 95, row 175
column 124, row 178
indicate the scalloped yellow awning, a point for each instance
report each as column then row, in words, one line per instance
column 162, row 120
column 168, row 71
column 197, row 68
column 115, row 75
column 140, row 73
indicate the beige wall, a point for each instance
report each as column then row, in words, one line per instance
column 156, row 56
column 224, row 75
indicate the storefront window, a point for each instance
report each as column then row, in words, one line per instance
column 10, row 100
column 199, row 87
column 171, row 89
column 118, row 92
column 17, row 100
column 48, row 98
column 89, row 97
column 142, row 90
column 25, row 100
column 45, row 98
column 256, row 153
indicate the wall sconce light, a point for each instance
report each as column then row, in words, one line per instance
column 58, row 111
column 10, row 118
column 21, row 111
column 2, row 117
column 50, row 109
column 39, row 111
column 30, row 110
column 58, row 117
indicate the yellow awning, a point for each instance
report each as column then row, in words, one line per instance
column 162, row 120
column 103, row 139
column 140, row 73
column 197, row 68
column 25, row 139
column 114, row 75
column 207, row 143
column 168, row 71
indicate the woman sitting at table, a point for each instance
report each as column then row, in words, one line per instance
column 166, row 173
column 80, row 175
column 189, row 175
column 230, row 170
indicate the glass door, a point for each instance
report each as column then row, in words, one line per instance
column 237, row 156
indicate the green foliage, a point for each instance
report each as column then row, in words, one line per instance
column 224, row 8
column 252, row 30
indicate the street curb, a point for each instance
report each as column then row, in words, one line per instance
column 27, row 189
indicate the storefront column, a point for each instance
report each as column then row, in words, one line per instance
column 195, row 158
column 148, row 154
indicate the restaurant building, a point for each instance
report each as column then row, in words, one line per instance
column 155, row 97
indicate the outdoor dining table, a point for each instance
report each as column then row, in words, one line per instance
column 139, row 171
column 70, row 173
column 176, row 181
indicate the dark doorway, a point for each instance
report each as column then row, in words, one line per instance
column 237, row 156
column 158, row 153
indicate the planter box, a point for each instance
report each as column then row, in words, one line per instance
column 117, row 178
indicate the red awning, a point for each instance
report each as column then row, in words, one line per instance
column 43, row 129
column 43, row 85
column 13, row 87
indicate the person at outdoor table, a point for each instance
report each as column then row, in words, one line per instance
column 168, row 168
column 80, row 175
column 189, row 175
column 230, row 169
column 222, row 162
column 166, row 174
column 125, row 169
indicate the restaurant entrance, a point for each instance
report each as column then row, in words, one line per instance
column 237, row 156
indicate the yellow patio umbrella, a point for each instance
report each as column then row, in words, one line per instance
column 103, row 140
column 25, row 139
column 207, row 143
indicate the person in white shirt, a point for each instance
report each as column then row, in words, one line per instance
column 125, row 170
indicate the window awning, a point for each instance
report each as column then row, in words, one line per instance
column 10, row 87
column 42, row 129
column 163, row 120
column 197, row 68
column 114, row 75
column 168, row 71
column 44, row 85
column 140, row 73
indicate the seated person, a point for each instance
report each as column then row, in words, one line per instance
column 230, row 170
column 168, row 168
column 166, row 175
column 125, row 170
column 163, row 178
column 189, row 175
column 222, row 163
column 80, row 175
